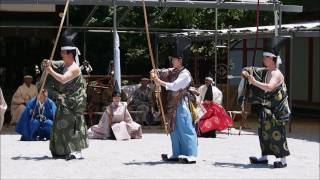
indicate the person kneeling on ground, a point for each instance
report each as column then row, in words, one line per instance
column 37, row 118
column 116, row 121
column 215, row 117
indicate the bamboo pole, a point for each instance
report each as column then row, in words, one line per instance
column 45, row 75
column 158, row 88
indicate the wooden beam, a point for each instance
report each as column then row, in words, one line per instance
column 310, row 69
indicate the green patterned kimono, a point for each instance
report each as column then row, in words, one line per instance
column 69, row 131
column 273, row 111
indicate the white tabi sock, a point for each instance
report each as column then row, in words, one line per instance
column 284, row 160
column 189, row 158
column 172, row 157
column 77, row 154
column 263, row 158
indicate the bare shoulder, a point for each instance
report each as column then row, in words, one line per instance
column 75, row 69
column 278, row 75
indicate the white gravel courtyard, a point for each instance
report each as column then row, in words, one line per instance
column 225, row 157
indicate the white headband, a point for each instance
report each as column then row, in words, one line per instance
column 279, row 61
column 73, row 48
column 209, row 78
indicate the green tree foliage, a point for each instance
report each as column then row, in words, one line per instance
column 134, row 50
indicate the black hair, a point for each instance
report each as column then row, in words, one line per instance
column 274, row 59
column 115, row 94
column 273, row 51
column 73, row 51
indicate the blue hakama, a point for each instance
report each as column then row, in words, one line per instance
column 184, row 137
column 35, row 122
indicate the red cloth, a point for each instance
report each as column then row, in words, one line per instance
column 215, row 118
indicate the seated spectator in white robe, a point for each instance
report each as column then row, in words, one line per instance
column 3, row 108
column 215, row 117
column 116, row 122
column 36, row 121
column 216, row 93
column 19, row 99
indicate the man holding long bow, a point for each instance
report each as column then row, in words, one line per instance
column 270, row 100
column 177, row 81
column 67, row 86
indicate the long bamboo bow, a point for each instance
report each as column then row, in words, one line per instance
column 245, row 75
column 158, row 88
column 45, row 74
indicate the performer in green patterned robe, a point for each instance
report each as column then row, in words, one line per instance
column 67, row 87
column 270, row 101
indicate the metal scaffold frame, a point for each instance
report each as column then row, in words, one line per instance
column 272, row 5
column 245, row 5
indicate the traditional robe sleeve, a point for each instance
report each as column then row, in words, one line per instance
column 136, row 98
column 202, row 90
column 103, row 126
column 50, row 109
column 34, row 91
column 51, row 84
column 150, row 97
column 17, row 97
column 134, row 129
column 180, row 83
column 164, row 74
column 217, row 95
column 3, row 104
column 3, row 108
column 53, row 109
column 23, row 126
column 127, row 115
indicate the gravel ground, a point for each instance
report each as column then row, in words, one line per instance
column 224, row 157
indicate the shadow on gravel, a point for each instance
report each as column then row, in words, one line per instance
column 242, row 166
column 32, row 158
column 150, row 163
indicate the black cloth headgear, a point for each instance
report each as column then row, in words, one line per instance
column 67, row 38
column 273, row 50
column 181, row 45
column 116, row 90
column 67, row 43
column 28, row 72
